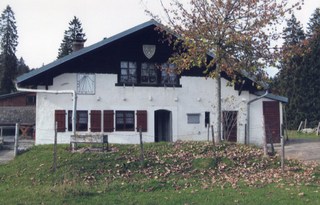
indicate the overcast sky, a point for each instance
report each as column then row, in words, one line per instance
column 41, row 23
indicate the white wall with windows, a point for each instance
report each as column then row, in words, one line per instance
column 191, row 106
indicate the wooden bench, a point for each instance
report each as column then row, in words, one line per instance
column 89, row 139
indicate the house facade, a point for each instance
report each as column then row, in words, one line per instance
column 124, row 83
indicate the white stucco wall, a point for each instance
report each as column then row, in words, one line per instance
column 256, row 127
column 197, row 95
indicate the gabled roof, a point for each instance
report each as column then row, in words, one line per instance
column 114, row 38
column 86, row 50
column 273, row 97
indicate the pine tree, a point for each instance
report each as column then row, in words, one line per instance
column 75, row 27
column 8, row 44
column 288, row 80
column 311, row 68
column 314, row 23
column 22, row 67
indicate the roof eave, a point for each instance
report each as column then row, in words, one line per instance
column 85, row 50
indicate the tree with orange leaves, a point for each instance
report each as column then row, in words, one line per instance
column 239, row 34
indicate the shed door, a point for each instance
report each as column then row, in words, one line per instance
column 271, row 112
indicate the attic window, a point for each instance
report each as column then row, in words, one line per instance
column 168, row 74
column 128, row 72
column 148, row 73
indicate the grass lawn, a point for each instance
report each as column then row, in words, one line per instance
column 293, row 134
column 172, row 173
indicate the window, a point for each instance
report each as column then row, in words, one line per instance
column 207, row 119
column 60, row 118
column 148, row 73
column 31, row 100
column 124, row 120
column 128, row 72
column 193, row 118
column 86, row 84
column 81, row 121
column 168, row 74
column 95, row 121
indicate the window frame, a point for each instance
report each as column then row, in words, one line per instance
column 80, row 127
column 31, row 100
column 142, row 76
column 130, row 78
column 148, row 71
column 125, row 126
column 207, row 119
column 191, row 118
column 168, row 73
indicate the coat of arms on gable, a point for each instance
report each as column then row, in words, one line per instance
column 149, row 50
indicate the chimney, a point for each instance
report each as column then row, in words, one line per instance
column 78, row 43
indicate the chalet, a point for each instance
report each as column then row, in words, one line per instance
column 124, row 83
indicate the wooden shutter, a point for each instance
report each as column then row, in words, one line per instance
column 142, row 120
column 60, row 117
column 95, row 119
column 108, row 120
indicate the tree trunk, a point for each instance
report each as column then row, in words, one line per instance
column 218, row 136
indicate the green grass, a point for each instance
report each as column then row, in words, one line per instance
column 293, row 134
column 172, row 173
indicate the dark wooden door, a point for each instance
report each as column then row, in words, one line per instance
column 271, row 112
column 230, row 125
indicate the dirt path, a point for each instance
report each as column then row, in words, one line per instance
column 306, row 150
column 6, row 156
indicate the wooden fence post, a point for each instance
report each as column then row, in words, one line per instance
column 16, row 140
column 212, row 133
column 265, row 146
column 141, row 148
column 282, row 149
column 208, row 131
column 300, row 126
column 305, row 123
column 318, row 129
column 54, row 167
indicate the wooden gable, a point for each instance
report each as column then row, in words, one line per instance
column 105, row 56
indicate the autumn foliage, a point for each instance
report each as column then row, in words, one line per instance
column 239, row 34
column 182, row 165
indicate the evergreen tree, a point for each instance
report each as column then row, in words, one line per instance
column 314, row 22
column 75, row 27
column 311, row 68
column 22, row 67
column 288, row 81
column 8, row 44
column 299, row 77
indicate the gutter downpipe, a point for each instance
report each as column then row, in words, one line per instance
column 248, row 115
column 74, row 99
